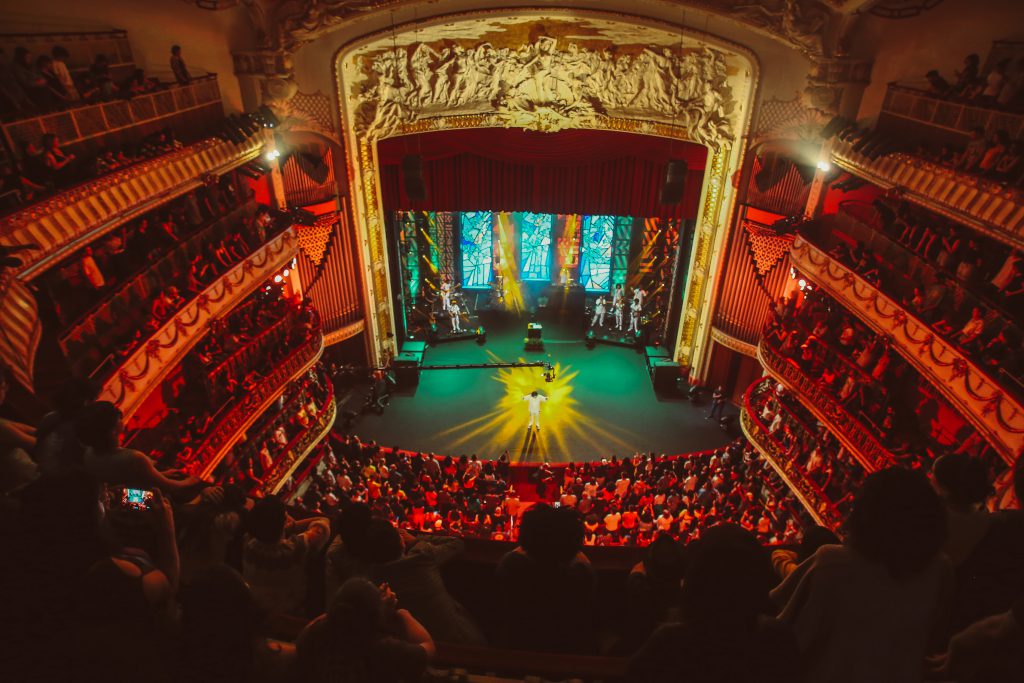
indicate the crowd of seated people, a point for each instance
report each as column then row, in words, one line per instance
column 927, row 581
column 46, row 167
column 870, row 380
column 1002, row 86
column 125, row 312
column 193, row 407
column 31, row 85
column 251, row 460
column 810, row 447
column 622, row 502
column 972, row 297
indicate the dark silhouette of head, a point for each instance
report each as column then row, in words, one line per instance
column 897, row 521
column 551, row 535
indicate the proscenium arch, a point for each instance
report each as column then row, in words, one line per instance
column 570, row 69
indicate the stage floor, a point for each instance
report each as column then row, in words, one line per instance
column 601, row 403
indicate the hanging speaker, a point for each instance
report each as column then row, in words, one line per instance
column 675, row 181
column 412, row 177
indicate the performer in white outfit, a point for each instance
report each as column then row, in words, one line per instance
column 638, row 297
column 600, row 308
column 634, row 317
column 619, row 306
column 534, row 399
column 618, row 294
column 454, row 313
column 446, row 294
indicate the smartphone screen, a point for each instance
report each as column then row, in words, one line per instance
column 136, row 499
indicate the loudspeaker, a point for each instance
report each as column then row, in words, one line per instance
column 412, row 177
column 675, row 180
column 665, row 375
column 407, row 370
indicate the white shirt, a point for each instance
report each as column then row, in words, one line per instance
column 535, row 402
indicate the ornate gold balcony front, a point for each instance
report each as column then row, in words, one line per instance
column 806, row 491
column 72, row 219
column 996, row 415
column 984, row 205
column 851, row 432
column 301, row 446
column 238, row 418
column 150, row 363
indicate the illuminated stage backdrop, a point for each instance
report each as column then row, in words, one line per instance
column 477, row 232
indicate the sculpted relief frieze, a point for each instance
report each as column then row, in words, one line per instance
column 547, row 85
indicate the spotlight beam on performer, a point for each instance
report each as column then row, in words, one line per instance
column 507, row 265
column 562, row 418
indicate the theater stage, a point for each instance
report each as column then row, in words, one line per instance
column 601, row 403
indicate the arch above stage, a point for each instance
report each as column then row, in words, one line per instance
column 546, row 71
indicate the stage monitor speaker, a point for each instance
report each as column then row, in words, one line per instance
column 675, row 182
column 665, row 375
column 412, row 177
column 407, row 369
column 534, row 330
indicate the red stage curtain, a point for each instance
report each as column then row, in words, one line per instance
column 576, row 171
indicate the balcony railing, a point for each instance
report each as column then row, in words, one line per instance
column 983, row 205
column 958, row 118
column 996, row 415
column 851, row 432
column 242, row 414
column 73, row 218
column 806, row 491
column 301, row 446
column 80, row 124
column 149, row 364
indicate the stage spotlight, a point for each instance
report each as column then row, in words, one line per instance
column 802, row 284
column 286, row 272
column 824, row 166
column 278, row 279
column 271, row 155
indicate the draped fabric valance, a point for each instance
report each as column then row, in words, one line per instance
column 574, row 171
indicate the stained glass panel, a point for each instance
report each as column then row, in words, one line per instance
column 535, row 229
column 596, row 253
column 477, row 234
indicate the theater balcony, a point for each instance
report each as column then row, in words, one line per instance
column 235, row 417
column 978, row 396
column 983, row 205
column 71, row 219
column 301, row 445
column 149, row 364
column 810, row 495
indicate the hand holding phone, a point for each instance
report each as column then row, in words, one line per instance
column 135, row 500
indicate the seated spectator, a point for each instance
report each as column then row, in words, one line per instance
column 967, row 77
column 974, row 152
column 99, row 72
column 59, row 164
column 653, row 591
column 220, row 634
column 987, row 650
column 365, row 637
column 547, row 585
column 937, row 85
column 99, row 428
column 869, row 610
column 31, row 81
column 58, row 448
column 725, row 634
column 277, row 550
column 411, row 566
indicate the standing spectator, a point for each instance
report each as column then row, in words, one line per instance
column 60, row 70
column 13, row 100
column 178, row 66
column 717, row 403
column 869, row 610
column 276, row 553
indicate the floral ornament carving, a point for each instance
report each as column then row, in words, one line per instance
column 959, row 368
column 542, row 87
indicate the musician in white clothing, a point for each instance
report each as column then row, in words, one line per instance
column 619, row 307
column 600, row 309
column 634, row 317
column 638, row 297
column 446, row 293
column 618, row 294
column 534, row 399
column 454, row 313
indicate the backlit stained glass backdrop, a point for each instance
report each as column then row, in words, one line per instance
column 477, row 235
column 596, row 252
column 535, row 229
